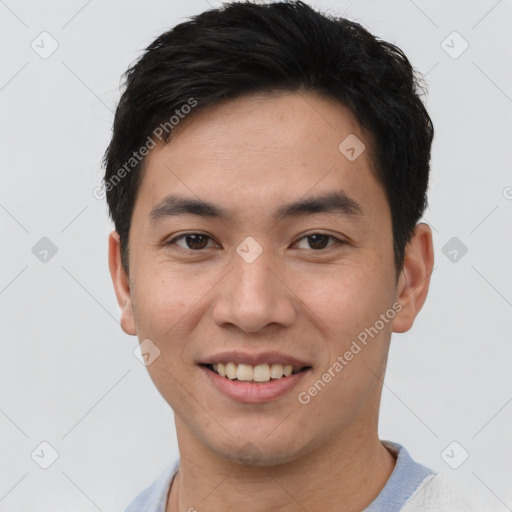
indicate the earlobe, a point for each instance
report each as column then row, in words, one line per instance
column 121, row 284
column 414, row 280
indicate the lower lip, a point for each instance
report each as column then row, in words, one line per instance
column 254, row 392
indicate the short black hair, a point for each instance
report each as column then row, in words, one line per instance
column 247, row 48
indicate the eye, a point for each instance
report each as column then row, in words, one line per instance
column 318, row 241
column 198, row 241
column 193, row 241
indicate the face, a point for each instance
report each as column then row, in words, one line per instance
column 237, row 277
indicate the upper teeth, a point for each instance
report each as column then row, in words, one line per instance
column 258, row 373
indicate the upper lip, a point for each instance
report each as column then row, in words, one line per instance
column 254, row 359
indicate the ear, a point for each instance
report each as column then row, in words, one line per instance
column 121, row 284
column 414, row 279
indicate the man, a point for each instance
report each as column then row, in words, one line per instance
column 266, row 175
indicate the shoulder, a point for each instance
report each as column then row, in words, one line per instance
column 443, row 493
column 154, row 497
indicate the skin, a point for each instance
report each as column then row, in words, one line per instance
column 251, row 155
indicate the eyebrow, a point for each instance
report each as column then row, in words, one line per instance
column 337, row 202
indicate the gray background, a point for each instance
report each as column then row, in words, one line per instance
column 68, row 374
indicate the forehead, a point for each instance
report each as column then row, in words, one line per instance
column 258, row 150
column 290, row 125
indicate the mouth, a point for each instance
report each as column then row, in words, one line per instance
column 254, row 378
column 258, row 374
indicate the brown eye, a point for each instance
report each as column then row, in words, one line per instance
column 318, row 241
column 193, row 241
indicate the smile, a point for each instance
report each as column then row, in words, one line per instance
column 239, row 381
column 259, row 373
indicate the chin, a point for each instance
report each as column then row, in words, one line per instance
column 252, row 451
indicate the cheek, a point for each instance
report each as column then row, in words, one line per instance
column 347, row 298
column 165, row 307
column 349, row 302
column 161, row 300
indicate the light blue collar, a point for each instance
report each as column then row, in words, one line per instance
column 405, row 479
column 403, row 482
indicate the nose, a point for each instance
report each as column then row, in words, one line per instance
column 254, row 295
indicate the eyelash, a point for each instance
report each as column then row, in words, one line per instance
column 184, row 235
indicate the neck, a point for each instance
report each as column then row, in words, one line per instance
column 349, row 469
